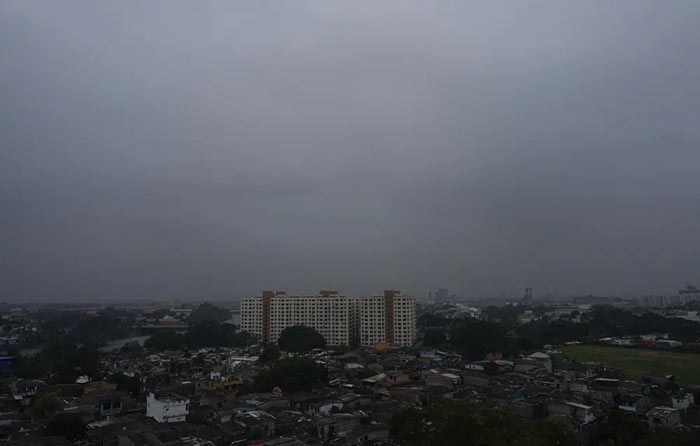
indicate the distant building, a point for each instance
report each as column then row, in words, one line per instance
column 689, row 294
column 442, row 295
column 167, row 409
column 341, row 320
column 690, row 291
column 334, row 316
column 598, row 300
column 527, row 297
column 664, row 416
column 390, row 319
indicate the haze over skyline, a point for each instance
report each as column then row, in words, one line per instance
column 209, row 150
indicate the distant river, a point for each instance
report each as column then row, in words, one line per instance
column 119, row 343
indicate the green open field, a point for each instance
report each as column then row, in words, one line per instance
column 636, row 362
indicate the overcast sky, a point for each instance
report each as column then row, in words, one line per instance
column 208, row 150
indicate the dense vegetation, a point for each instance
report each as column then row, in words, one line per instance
column 129, row 384
column 208, row 334
column 62, row 362
column 66, row 425
column 208, row 313
column 449, row 424
column 292, row 375
column 455, row 424
column 502, row 333
column 620, row 429
column 300, row 339
column 77, row 327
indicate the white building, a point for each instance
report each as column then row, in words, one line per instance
column 167, row 409
column 390, row 319
column 332, row 315
column 341, row 320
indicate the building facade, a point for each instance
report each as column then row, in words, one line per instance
column 167, row 409
column 389, row 318
column 341, row 320
column 332, row 315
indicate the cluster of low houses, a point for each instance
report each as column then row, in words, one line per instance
column 199, row 398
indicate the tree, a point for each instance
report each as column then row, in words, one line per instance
column 212, row 334
column 300, row 339
column 407, row 426
column 208, row 313
column 165, row 340
column 619, row 429
column 292, row 375
column 434, row 338
column 449, row 424
column 474, row 339
column 66, row 425
column 131, row 347
column 129, row 384
column 46, row 404
column 269, row 354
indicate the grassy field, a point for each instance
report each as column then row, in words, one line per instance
column 635, row 362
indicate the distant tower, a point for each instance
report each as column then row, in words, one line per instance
column 527, row 298
column 442, row 295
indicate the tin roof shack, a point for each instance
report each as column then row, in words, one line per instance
column 634, row 403
column 324, row 407
column 258, row 424
column 683, row 401
column 268, row 402
column 576, row 370
column 355, row 401
column 25, row 390
column 107, row 431
column 530, row 367
column 449, row 380
column 337, row 426
column 605, row 391
column 475, row 379
column 581, row 413
column 396, row 377
column 580, row 389
column 664, row 417
column 413, row 396
column 303, row 401
column 543, row 359
column 98, row 404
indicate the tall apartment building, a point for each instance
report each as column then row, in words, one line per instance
column 341, row 320
column 390, row 319
column 332, row 315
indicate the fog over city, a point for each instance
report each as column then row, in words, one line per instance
column 208, row 150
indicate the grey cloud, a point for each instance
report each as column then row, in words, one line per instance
column 172, row 149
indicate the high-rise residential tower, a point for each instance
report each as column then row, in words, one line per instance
column 341, row 320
